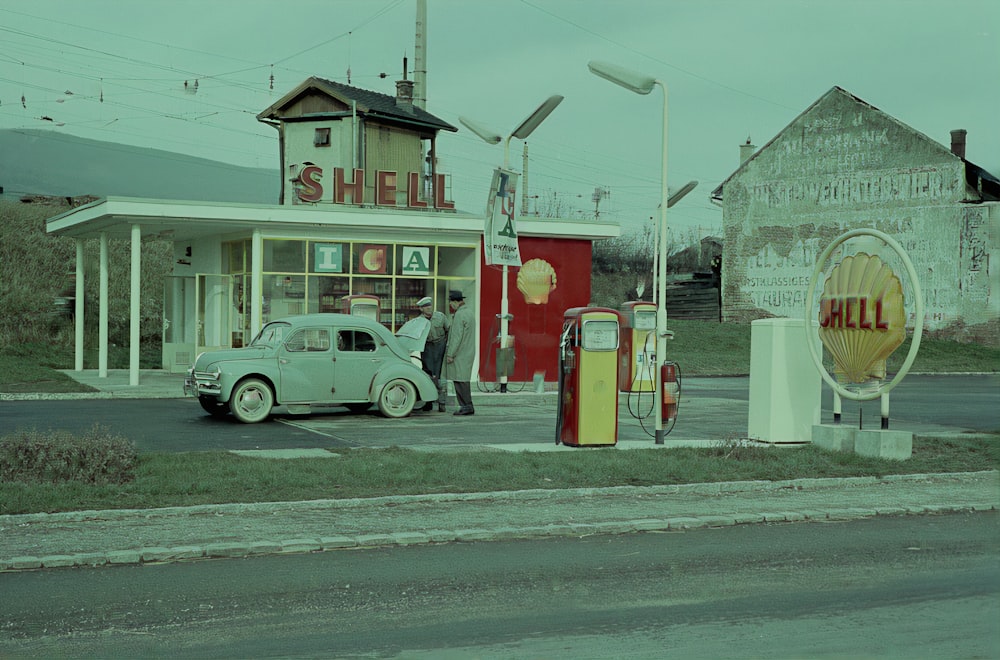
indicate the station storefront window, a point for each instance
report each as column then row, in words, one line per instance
column 236, row 262
column 313, row 276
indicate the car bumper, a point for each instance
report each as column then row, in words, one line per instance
column 198, row 385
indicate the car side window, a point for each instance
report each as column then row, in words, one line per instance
column 355, row 341
column 309, row 340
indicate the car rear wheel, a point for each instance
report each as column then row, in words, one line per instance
column 397, row 398
column 251, row 401
column 213, row 406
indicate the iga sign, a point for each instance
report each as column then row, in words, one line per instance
column 309, row 188
column 500, row 229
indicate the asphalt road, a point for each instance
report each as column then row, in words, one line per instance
column 711, row 408
column 908, row 586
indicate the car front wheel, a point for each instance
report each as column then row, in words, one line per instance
column 213, row 406
column 397, row 398
column 251, row 401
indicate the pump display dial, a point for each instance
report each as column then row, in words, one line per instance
column 600, row 336
column 645, row 320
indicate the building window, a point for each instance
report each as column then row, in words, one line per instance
column 321, row 138
column 309, row 276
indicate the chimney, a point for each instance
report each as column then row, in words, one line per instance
column 746, row 150
column 404, row 91
column 958, row 142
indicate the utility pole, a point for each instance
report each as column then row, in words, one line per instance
column 599, row 194
column 524, row 181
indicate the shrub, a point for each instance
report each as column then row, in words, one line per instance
column 96, row 457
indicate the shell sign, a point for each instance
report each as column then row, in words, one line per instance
column 862, row 319
column 536, row 280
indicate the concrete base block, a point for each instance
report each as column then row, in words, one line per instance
column 834, row 437
column 896, row 445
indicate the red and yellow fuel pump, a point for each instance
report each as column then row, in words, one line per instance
column 361, row 304
column 637, row 350
column 638, row 365
column 588, row 377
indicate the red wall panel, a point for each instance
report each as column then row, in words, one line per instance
column 537, row 324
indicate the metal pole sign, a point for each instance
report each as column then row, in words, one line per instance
column 500, row 229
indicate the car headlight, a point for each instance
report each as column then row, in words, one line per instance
column 211, row 373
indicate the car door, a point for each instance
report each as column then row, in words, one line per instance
column 306, row 363
column 360, row 354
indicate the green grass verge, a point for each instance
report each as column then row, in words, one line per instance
column 217, row 477
column 35, row 368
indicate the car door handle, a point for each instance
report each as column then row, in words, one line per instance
column 282, row 361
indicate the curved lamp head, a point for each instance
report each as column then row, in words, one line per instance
column 633, row 81
column 537, row 117
column 484, row 133
column 674, row 195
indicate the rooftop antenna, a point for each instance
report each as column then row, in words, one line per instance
column 349, row 57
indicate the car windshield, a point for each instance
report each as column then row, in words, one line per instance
column 271, row 334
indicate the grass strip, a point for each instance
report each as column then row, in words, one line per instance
column 188, row 479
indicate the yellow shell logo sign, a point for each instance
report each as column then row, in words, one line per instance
column 536, row 280
column 861, row 317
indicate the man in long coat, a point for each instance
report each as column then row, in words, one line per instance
column 433, row 353
column 460, row 352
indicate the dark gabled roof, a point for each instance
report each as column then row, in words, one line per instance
column 978, row 178
column 982, row 181
column 372, row 104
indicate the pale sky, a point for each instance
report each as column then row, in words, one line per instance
column 115, row 70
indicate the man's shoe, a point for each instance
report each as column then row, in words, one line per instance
column 440, row 407
column 429, row 406
column 466, row 411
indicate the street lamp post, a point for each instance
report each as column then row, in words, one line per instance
column 674, row 195
column 643, row 84
column 524, row 129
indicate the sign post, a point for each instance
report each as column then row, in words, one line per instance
column 861, row 321
column 501, row 248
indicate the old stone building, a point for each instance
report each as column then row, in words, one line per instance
column 843, row 164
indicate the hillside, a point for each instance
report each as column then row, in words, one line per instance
column 37, row 162
column 37, row 272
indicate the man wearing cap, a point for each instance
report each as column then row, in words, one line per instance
column 433, row 355
column 461, row 352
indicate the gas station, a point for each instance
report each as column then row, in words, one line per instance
column 364, row 225
column 370, row 231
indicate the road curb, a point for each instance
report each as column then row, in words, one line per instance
column 230, row 550
column 711, row 488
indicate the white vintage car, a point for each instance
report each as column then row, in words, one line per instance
column 313, row 360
